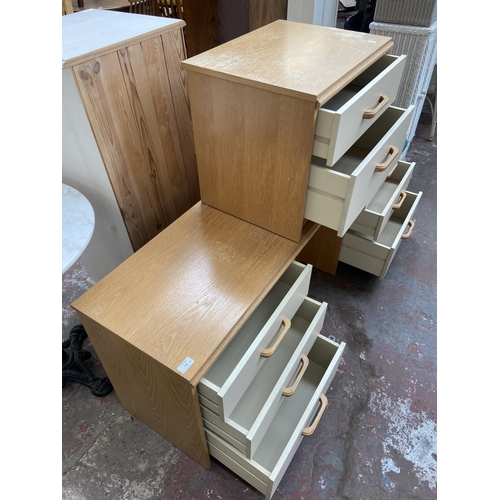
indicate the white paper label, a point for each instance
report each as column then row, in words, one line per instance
column 183, row 367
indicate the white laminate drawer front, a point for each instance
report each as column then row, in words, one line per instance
column 347, row 115
column 297, row 414
column 375, row 257
column 233, row 371
column 373, row 219
column 336, row 195
column 258, row 405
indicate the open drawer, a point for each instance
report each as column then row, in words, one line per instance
column 275, row 381
column 375, row 257
column 347, row 115
column 298, row 416
column 373, row 219
column 233, row 371
column 336, row 195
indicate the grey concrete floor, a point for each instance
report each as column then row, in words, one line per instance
column 376, row 440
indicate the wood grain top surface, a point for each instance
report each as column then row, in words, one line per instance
column 188, row 291
column 93, row 32
column 305, row 60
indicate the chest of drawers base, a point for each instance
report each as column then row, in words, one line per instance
column 160, row 320
column 297, row 416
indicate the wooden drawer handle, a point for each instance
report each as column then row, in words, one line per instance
column 393, row 152
column 372, row 113
column 407, row 234
column 290, row 390
column 309, row 430
column 269, row 351
column 398, row 205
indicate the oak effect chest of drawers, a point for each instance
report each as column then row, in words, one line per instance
column 215, row 309
column 207, row 332
column 293, row 122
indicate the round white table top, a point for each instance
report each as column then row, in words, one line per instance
column 78, row 221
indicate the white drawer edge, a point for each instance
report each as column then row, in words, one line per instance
column 416, row 199
column 208, row 404
column 233, row 465
column 250, row 465
column 263, row 420
column 372, row 256
column 208, row 425
column 236, row 431
column 235, row 383
column 373, row 219
column 402, row 231
column 396, row 69
column 208, row 390
column 243, row 466
column 396, row 61
column 338, row 128
column 397, row 190
column 363, row 173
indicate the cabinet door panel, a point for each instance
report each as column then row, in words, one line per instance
column 142, row 132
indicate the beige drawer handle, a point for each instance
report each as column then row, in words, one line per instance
column 265, row 353
column 309, row 430
column 407, row 234
column 398, row 205
column 393, row 152
column 372, row 113
column 290, row 390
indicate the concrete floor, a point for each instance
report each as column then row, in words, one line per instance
column 377, row 437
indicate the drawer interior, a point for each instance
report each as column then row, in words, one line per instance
column 355, row 155
column 393, row 227
column 255, row 397
column 348, row 92
column 293, row 408
column 388, row 188
column 229, row 358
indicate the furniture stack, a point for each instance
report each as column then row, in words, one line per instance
column 127, row 140
column 412, row 24
column 208, row 334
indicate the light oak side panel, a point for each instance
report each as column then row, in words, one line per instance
column 322, row 251
column 158, row 397
column 174, row 51
column 253, row 149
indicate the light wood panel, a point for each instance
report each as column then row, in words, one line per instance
column 322, row 251
column 160, row 398
column 189, row 290
column 301, row 60
column 210, row 23
column 139, row 137
column 253, row 149
column 262, row 12
column 174, row 51
column 67, row 7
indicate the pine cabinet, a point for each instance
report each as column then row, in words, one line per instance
column 127, row 140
